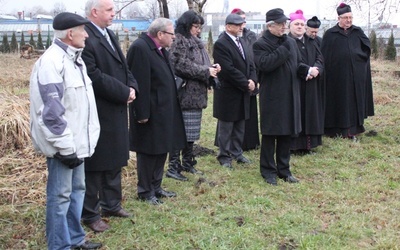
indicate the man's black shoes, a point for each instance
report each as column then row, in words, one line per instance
column 165, row 194
column 88, row 245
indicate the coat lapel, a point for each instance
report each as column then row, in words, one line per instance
column 103, row 41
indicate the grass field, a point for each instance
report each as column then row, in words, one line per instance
column 348, row 197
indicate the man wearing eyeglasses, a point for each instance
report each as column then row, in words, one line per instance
column 278, row 62
column 156, row 118
column 349, row 99
column 232, row 99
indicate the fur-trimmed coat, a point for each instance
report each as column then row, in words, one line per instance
column 191, row 62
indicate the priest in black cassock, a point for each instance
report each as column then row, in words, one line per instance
column 311, row 88
column 346, row 50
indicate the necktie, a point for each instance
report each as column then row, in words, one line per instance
column 240, row 46
column 107, row 36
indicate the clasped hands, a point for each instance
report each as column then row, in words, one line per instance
column 252, row 85
column 214, row 70
column 132, row 95
column 312, row 73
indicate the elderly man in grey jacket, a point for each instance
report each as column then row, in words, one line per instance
column 65, row 128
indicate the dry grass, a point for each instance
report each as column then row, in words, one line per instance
column 14, row 123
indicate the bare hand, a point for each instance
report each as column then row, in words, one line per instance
column 143, row 121
column 251, row 85
column 213, row 72
column 132, row 95
column 217, row 66
column 314, row 71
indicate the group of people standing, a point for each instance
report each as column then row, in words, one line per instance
column 90, row 105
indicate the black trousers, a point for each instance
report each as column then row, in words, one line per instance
column 279, row 146
column 103, row 190
column 230, row 139
column 150, row 170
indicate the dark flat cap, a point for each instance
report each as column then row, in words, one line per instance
column 343, row 8
column 314, row 22
column 67, row 20
column 234, row 19
column 276, row 15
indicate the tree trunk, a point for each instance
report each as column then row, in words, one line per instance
column 165, row 8
column 160, row 7
column 196, row 5
column 190, row 4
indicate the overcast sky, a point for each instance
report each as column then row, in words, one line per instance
column 321, row 8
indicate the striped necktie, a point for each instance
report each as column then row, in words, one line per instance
column 107, row 36
column 240, row 47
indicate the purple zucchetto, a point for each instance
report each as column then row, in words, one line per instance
column 343, row 8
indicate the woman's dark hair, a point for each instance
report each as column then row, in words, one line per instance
column 186, row 21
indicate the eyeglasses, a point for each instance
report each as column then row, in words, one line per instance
column 169, row 33
column 197, row 26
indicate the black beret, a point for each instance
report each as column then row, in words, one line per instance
column 67, row 20
column 234, row 19
column 276, row 15
column 314, row 22
column 343, row 8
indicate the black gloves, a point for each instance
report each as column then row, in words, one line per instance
column 284, row 41
column 71, row 161
column 286, row 44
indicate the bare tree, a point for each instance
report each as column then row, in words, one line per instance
column 122, row 4
column 177, row 7
column 197, row 5
column 59, row 7
column 163, row 6
column 153, row 9
column 35, row 10
column 378, row 10
column 134, row 11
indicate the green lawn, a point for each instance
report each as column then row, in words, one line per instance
column 348, row 198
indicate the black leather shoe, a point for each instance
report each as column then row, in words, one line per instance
column 192, row 170
column 119, row 213
column 165, row 194
column 242, row 159
column 227, row 165
column 88, row 245
column 272, row 181
column 151, row 200
column 289, row 179
column 176, row 175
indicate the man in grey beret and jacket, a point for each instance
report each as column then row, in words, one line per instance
column 65, row 128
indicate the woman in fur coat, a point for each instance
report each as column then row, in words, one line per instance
column 191, row 63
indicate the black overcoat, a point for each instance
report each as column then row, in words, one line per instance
column 111, row 82
column 312, row 93
column 158, row 101
column 279, row 70
column 232, row 100
column 349, row 98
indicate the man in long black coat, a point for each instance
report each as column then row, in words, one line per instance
column 278, row 62
column 251, row 138
column 157, row 124
column 232, row 100
column 114, row 87
column 311, row 88
column 349, row 99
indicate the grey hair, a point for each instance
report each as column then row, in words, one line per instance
column 269, row 23
column 157, row 25
column 60, row 34
column 91, row 4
